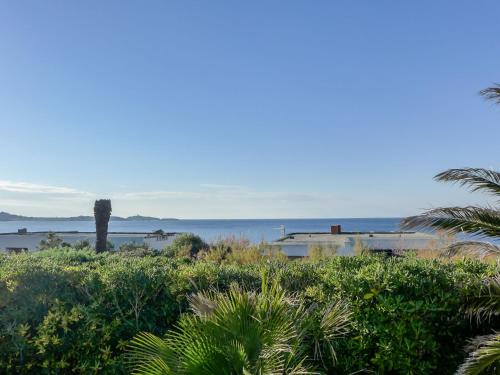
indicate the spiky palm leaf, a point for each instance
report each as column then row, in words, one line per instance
column 239, row 332
column 151, row 355
column 492, row 93
column 473, row 248
column 321, row 327
column 473, row 220
column 485, row 358
column 487, row 301
column 476, row 221
column 475, row 178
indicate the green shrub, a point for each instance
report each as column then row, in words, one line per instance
column 240, row 251
column 82, row 244
column 185, row 245
column 66, row 309
column 319, row 252
column 52, row 241
column 243, row 332
column 136, row 249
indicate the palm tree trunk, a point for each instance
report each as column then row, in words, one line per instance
column 102, row 213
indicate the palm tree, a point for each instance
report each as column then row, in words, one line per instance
column 102, row 213
column 476, row 221
column 484, row 351
column 242, row 332
column 492, row 93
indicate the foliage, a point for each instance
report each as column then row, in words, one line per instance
column 486, row 303
column 185, row 245
column 109, row 246
column 476, row 221
column 359, row 247
column 241, row 332
column 492, row 93
column 66, row 309
column 472, row 220
column 82, row 244
column 241, row 251
column 319, row 252
column 52, row 241
column 136, row 249
column 484, row 356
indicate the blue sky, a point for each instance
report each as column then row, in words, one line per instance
column 244, row 109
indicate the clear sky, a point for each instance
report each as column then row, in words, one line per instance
column 256, row 109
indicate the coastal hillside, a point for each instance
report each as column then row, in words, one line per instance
column 5, row 216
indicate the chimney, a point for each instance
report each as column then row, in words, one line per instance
column 335, row 229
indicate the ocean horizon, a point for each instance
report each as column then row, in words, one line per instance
column 255, row 230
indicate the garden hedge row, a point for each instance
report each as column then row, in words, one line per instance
column 68, row 311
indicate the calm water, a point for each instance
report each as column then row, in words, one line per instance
column 255, row 230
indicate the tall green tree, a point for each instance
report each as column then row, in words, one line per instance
column 476, row 221
column 102, row 213
column 484, row 351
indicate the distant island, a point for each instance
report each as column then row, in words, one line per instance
column 5, row 216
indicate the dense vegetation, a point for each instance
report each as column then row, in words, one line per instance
column 484, row 356
column 65, row 310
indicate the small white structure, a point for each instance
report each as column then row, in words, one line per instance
column 297, row 244
column 28, row 241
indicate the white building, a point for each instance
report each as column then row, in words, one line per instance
column 22, row 241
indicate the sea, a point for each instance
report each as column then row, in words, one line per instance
column 255, row 230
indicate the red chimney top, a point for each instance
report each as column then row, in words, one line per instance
column 335, row 229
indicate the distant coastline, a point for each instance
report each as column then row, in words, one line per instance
column 5, row 216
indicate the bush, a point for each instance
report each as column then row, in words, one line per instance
column 241, row 251
column 64, row 309
column 82, row 244
column 319, row 252
column 52, row 241
column 244, row 332
column 135, row 249
column 185, row 245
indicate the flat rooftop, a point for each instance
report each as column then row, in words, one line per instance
column 326, row 237
column 345, row 241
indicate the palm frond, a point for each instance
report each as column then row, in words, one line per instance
column 477, row 221
column 242, row 332
column 491, row 93
column 202, row 303
column 228, row 333
column 485, row 357
column 149, row 355
column 487, row 302
column 321, row 327
column 475, row 248
column 336, row 320
column 475, row 178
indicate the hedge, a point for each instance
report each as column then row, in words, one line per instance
column 74, row 311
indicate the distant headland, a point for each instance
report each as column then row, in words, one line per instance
column 5, row 216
